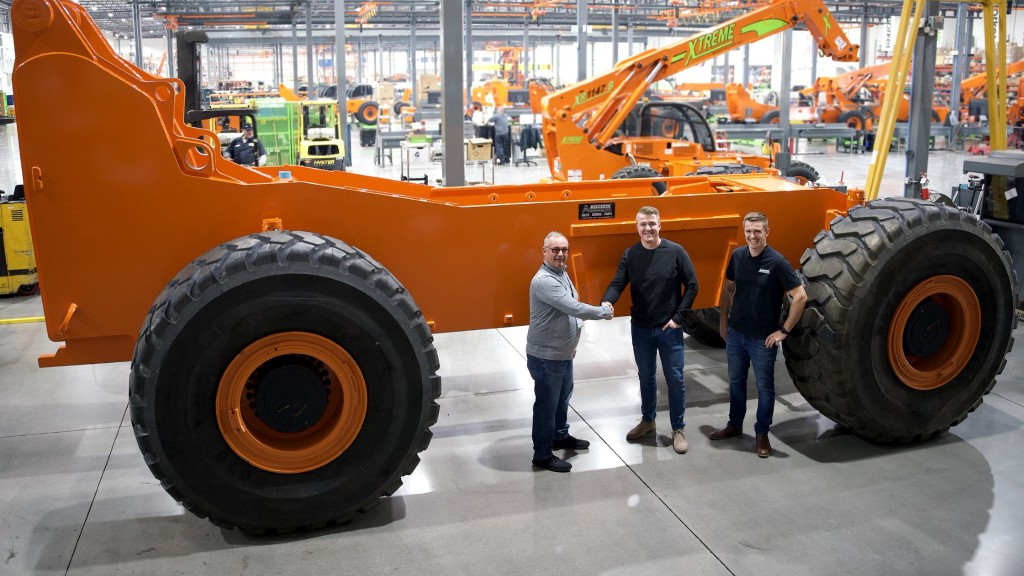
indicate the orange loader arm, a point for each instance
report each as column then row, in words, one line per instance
column 595, row 108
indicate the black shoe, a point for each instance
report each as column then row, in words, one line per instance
column 553, row 463
column 570, row 443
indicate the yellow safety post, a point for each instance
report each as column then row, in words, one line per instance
column 902, row 53
column 995, row 64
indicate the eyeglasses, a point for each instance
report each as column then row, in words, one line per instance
column 558, row 250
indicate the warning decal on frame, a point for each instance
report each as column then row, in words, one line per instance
column 601, row 211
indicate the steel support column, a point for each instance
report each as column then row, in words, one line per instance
column 581, row 40
column 137, row 32
column 615, row 31
column 961, row 60
column 746, row 65
column 629, row 38
column 295, row 54
column 466, row 13
column 921, row 89
column 310, row 74
column 782, row 160
column 339, row 65
column 863, row 41
column 413, row 77
column 453, row 169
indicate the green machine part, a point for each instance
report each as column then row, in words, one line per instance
column 277, row 125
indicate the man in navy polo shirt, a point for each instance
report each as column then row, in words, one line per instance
column 757, row 280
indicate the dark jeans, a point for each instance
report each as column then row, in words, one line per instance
column 743, row 352
column 552, row 388
column 503, row 147
column 647, row 344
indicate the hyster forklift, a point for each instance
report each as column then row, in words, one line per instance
column 283, row 374
column 17, row 259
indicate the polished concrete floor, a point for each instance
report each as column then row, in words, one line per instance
column 77, row 498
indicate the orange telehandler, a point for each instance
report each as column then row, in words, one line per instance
column 598, row 128
column 283, row 373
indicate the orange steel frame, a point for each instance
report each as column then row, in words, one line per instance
column 114, row 221
column 580, row 121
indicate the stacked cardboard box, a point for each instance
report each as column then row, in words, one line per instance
column 478, row 149
column 427, row 82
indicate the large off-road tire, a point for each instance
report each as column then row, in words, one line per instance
column 641, row 171
column 770, row 117
column 910, row 316
column 802, row 172
column 869, row 118
column 283, row 381
column 703, row 326
column 368, row 112
column 853, row 119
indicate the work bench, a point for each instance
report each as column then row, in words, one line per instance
column 837, row 132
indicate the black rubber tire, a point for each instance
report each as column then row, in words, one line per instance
column 803, row 172
column 257, row 286
column 770, row 117
column 368, row 112
column 28, row 289
column 936, row 117
column 853, row 119
column 703, row 326
column 858, row 272
column 398, row 108
column 641, row 171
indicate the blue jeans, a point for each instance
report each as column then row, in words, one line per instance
column 552, row 388
column 743, row 352
column 647, row 344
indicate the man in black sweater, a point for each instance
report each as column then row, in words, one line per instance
column 656, row 270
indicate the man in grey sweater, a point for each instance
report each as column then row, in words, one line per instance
column 556, row 320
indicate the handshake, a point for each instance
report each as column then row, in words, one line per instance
column 610, row 309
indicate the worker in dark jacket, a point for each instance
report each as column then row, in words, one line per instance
column 502, row 138
column 247, row 149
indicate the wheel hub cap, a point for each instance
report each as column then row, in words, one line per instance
column 291, row 402
column 933, row 332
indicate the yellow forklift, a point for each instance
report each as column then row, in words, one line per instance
column 17, row 258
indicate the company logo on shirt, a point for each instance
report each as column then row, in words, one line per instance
column 763, row 271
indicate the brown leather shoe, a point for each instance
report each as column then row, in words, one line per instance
column 642, row 429
column 764, row 447
column 723, row 433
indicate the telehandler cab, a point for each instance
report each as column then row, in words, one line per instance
column 323, row 291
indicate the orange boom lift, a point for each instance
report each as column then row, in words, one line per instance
column 594, row 129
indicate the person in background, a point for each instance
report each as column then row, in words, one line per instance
column 757, row 280
column 556, row 321
column 657, row 271
column 247, row 149
column 502, row 138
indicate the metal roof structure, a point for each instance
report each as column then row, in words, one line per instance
column 227, row 19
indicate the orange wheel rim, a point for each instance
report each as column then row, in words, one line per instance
column 370, row 113
column 291, row 402
column 953, row 300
